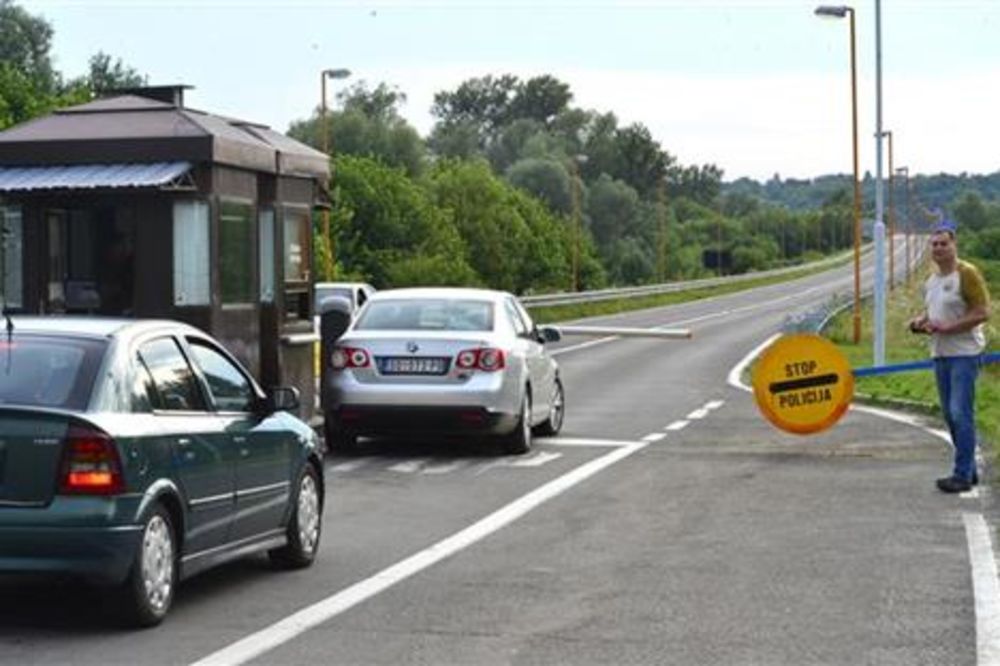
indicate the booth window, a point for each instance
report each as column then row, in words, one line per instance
column 11, row 228
column 236, row 252
column 266, row 222
column 297, row 254
column 191, row 257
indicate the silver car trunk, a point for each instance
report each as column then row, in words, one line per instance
column 408, row 357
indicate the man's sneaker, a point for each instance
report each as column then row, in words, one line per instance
column 952, row 484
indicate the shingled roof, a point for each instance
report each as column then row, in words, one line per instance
column 131, row 127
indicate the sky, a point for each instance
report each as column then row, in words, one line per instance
column 756, row 87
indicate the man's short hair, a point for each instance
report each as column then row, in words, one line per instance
column 945, row 226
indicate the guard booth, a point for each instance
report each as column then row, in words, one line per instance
column 135, row 205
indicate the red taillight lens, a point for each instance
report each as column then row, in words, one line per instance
column 90, row 464
column 487, row 359
column 349, row 357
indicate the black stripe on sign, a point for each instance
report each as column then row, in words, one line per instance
column 807, row 382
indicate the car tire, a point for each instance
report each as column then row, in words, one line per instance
column 338, row 441
column 305, row 525
column 148, row 592
column 519, row 439
column 557, row 412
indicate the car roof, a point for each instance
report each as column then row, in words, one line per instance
column 439, row 292
column 90, row 326
column 341, row 285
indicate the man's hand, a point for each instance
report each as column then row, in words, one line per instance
column 920, row 324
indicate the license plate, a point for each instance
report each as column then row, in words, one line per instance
column 406, row 365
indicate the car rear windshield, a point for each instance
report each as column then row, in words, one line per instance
column 427, row 314
column 48, row 371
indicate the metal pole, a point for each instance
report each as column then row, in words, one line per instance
column 325, row 133
column 892, row 220
column 878, row 350
column 857, row 186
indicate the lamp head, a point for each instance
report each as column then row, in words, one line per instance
column 337, row 73
column 833, row 11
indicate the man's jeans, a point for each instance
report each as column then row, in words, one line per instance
column 956, row 382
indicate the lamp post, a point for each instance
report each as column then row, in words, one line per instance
column 325, row 128
column 575, row 196
column 905, row 172
column 840, row 11
column 892, row 219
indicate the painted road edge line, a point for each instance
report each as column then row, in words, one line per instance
column 982, row 558
column 265, row 640
column 986, row 589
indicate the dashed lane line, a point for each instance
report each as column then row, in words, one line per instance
column 697, row 414
column 677, row 425
column 654, row 437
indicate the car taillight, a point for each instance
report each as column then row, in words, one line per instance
column 487, row 359
column 90, row 464
column 349, row 357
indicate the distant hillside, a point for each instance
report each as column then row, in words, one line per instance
column 797, row 194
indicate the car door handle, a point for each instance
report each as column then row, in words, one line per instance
column 184, row 441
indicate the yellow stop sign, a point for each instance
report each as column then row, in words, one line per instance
column 803, row 383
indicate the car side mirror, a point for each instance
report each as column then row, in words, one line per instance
column 549, row 334
column 282, row 399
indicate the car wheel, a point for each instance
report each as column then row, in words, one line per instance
column 338, row 441
column 305, row 526
column 148, row 591
column 519, row 440
column 557, row 411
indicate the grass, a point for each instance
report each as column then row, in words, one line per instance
column 557, row 313
column 917, row 388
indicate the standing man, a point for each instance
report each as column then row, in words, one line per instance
column 958, row 304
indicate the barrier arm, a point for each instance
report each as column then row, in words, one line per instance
column 985, row 359
column 617, row 331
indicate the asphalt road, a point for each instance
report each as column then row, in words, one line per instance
column 668, row 524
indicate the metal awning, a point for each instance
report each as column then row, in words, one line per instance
column 163, row 175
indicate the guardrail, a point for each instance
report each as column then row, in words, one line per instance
column 568, row 298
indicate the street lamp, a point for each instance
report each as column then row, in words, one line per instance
column 575, row 195
column 905, row 172
column 840, row 11
column 325, row 127
column 892, row 219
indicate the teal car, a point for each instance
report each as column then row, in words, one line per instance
column 138, row 453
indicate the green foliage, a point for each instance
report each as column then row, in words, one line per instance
column 546, row 179
column 387, row 229
column 25, row 42
column 368, row 126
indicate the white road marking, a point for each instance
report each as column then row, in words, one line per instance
column 578, row 441
column 281, row 632
column 443, row 468
column 351, row 465
column 410, row 466
column 534, row 460
column 715, row 404
column 985, row 588
column 677, row 425
column 654, row 437
column 582, row 345
column 698, row 414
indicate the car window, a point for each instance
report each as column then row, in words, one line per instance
column 173, row 379
column 362, row 297
column 143, row 388
column 525, row 317
column 45, row 371
column 230, row 389
column 515, row 317
column 427, row 314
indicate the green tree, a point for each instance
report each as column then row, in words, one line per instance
column 25, row 42
column 390, row 232
column 546, row 179
column 107, row 73
column 369, row 125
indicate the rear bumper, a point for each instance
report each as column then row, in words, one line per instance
column 102, row 554
column 397, row 420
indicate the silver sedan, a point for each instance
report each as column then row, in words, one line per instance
column 443, row 361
